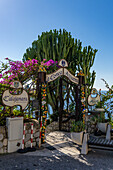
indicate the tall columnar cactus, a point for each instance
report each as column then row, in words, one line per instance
column 55, row 45
column 58, row 45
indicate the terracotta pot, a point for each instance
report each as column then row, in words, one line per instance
column 102, row 127
column 77, row 137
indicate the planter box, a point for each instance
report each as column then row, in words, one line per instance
column 77, row 137
column 102, row 127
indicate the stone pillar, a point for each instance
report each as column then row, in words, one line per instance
column 15, row 133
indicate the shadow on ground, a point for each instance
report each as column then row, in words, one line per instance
column 57, row 161
column 58, row 156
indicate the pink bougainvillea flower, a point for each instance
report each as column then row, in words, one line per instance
column 19, row 69
column 0, row 75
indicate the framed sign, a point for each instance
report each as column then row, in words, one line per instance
column 14, row 100
column 11, row 100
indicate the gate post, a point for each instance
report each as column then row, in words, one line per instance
column 42, row 100
column 61, row 105
column 80, row 75
column 77, row 110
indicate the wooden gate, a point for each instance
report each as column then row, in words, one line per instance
column 68, row 87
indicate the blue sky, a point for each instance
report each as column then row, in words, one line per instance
column 91, row 21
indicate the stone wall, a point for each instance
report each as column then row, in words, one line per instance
column 66, row 126
column 3, row 140
column 54, row 126
column 36, row 129
column 90, row 124
column 4, row 136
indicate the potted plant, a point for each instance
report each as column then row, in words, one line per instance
column 77, row 132
column 101, row 123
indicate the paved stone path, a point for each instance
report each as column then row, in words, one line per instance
column 61, row 144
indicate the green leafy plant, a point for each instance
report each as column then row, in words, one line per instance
column 94, row 119
column 100, row 118
column 77, row 126
column 4, row 112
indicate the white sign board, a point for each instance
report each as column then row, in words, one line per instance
column 70, row 76
column 55, row 75
column 16, row 84
column 63, row 63
column 93, row 100
column 62, row 71
column 13, row 100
